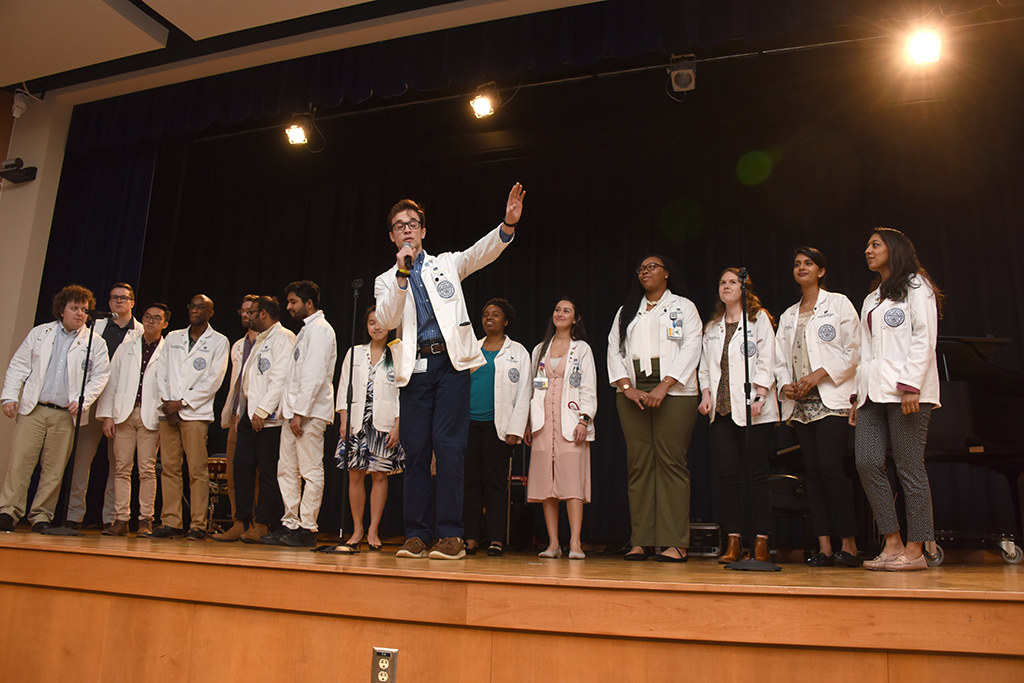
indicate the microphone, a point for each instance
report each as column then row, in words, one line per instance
column 357, row 284
column 743, row 274
column 98, row 314
column 408, row 259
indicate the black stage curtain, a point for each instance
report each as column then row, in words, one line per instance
column 545, row 42
column 767, row 153
column 827, row 146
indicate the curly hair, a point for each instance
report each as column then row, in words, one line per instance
column 506, row 309
column 75, row 293
column 753, row 302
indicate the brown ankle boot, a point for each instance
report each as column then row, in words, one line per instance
column 254, row 533
column 232, row 534
column 733, row 552
column 761, row 549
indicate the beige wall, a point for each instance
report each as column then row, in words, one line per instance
column 26, row 210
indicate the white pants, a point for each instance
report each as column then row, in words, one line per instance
column 89, row 436
column 302, row 461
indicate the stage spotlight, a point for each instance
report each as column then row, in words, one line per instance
column 486, row 100
column 923, row 47
column 682, row 73
column 298, row 132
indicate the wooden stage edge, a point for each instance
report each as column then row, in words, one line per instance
column 110, row 609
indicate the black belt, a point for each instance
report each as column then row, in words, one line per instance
column 434, row 349
column 51, row 406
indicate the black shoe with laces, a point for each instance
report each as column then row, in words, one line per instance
column 195, row 535
column 6, row 522
column 163, row 531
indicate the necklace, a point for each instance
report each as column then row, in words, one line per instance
column 654, row 303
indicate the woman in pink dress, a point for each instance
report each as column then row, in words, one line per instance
column 562, row 425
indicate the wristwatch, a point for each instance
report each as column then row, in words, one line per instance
column 626, row 387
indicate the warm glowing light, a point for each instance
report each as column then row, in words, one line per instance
column 924, row 47
column 296, row 135
column 482, row 106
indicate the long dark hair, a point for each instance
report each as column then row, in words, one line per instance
column 817, row 258
column 388, row 360
column 903, row 266
column 577, row 332
column 675, row 285
column 753, row 302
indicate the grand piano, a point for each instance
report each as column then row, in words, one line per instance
column 981, row 423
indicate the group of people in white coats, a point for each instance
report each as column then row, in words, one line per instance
column 824, row 370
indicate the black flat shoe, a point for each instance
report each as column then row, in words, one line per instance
column 638, row 557
column 375, row 547
column 495, row 550
column 821, row 560
column 661, row 557
column 845, row 559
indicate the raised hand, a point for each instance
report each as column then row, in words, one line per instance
column 514, row 207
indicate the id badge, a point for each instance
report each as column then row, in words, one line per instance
column 420, row 366
column 540, row 382
column 675, row 330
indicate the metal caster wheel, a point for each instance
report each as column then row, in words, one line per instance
column 933, row 554
column 1013, row 557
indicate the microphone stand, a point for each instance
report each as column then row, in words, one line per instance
column 61, row 528
column 356, row 286
column 750, row 564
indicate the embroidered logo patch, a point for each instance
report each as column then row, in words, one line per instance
column 391, row 376
column 749, row 349
column 199, row 363
column 575, row 379
column 826, row 333
column 894, row 317
column 296, row 354
column 86, row 366
column 513, row 375
column 264, row 364
column 445, row 289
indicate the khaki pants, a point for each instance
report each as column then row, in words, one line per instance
column 89, row 437
column 128, row 436
column 43, row 436
column 230, row 454
column 188, row 439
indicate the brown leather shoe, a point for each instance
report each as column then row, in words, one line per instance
column 733, row 553
column 145, row 529
column 761, row 549
column 119, row 527
column 232, row 534
column 254, row 533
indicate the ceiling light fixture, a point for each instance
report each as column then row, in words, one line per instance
column 486, row 100
column 923, row 47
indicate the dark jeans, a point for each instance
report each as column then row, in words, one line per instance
column 487, row 459
column 435, row 421
column 257, row 451
column 829, row 490
column 728, row 442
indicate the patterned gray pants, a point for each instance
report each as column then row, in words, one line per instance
column 882, row 425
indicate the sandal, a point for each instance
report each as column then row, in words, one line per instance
column 495, row 550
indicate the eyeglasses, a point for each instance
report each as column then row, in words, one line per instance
column 120, row 298
column 401, row 226
column 152, row 318
column 197, row 307
column 243, row 311
column 649, row 268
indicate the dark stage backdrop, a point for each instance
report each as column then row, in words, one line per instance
column 767, row 153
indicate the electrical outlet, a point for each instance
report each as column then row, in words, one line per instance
column 384, row 665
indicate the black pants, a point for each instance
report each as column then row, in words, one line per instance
column 486, row 483
column 829, row 490
column 728, row 442
column 257, row 451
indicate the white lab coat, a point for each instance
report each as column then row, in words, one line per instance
column 900, row 349
column 579, row 359
column 832, row 340
column 442, row 277
column 27, row 370
column 385, row 391
column 193, row 377
column 309, row 388
column 267, row 370
column 118, row 400
column 236, row 369
column 678, row 356
column 761, row 345
column 512, row 386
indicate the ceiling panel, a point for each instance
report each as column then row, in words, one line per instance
column 42, row 38
column 201, row 19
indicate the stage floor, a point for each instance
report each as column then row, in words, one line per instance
column 527, row 618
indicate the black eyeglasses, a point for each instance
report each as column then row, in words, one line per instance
column 400, row 226
column 120, row 298
column 198, row 307
column 649, row 268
